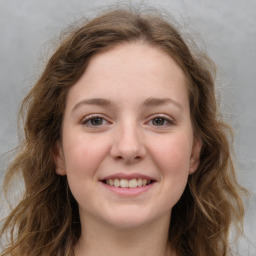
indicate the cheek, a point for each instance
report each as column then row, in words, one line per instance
column 172, row 154
column 83, row 155
column 172, row 159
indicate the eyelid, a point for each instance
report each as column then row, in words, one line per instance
column 168, row 118
column 92, row 116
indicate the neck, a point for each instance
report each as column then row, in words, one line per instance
column 99, row 239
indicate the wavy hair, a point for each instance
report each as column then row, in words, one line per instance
column 46, row 220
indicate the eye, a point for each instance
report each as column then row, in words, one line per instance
column 161, row 121
column 94, row 121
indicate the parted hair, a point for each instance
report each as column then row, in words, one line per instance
column 46, row 220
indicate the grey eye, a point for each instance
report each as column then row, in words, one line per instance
column 96, row 121
column 159, row 121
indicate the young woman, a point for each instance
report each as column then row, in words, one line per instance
column 124, row 150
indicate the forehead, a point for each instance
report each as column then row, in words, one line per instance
column 141, row 56
column 131, row 70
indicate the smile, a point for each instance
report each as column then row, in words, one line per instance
column 128, row 183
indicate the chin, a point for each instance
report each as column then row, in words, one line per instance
column 126, row 224
column 132, row 219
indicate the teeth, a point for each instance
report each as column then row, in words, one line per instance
column 133, row 183
column 116, row 182
column 139, row 182
column 125, row 183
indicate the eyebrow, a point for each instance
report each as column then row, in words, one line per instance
column 161, row 101
column 93, row 101
column 149, row 102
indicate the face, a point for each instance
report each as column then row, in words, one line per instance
column 127, row 141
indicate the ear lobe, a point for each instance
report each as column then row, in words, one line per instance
column 195, row 155
column 58, row 157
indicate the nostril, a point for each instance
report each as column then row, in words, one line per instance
column 127, row 149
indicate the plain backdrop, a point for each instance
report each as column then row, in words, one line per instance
column 225, row 29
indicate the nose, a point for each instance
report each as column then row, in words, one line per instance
column 128, row 144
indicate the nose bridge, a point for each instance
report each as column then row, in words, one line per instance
column 128, row 143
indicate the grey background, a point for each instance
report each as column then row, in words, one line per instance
column 226, row 29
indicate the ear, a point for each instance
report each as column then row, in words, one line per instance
column 59, row 160
column 195, row 155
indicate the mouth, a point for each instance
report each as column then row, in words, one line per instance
column 128, row 183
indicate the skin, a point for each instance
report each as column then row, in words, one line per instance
column 141, row 124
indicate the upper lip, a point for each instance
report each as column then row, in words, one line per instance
column 127, row 176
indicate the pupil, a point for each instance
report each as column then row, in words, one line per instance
column 158, row 121
column 96, row 121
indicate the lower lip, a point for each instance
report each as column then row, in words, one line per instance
column 128, row 191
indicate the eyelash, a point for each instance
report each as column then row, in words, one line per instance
column 90, row 118
column 167, row 121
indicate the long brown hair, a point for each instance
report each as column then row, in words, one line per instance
column 46, row 220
